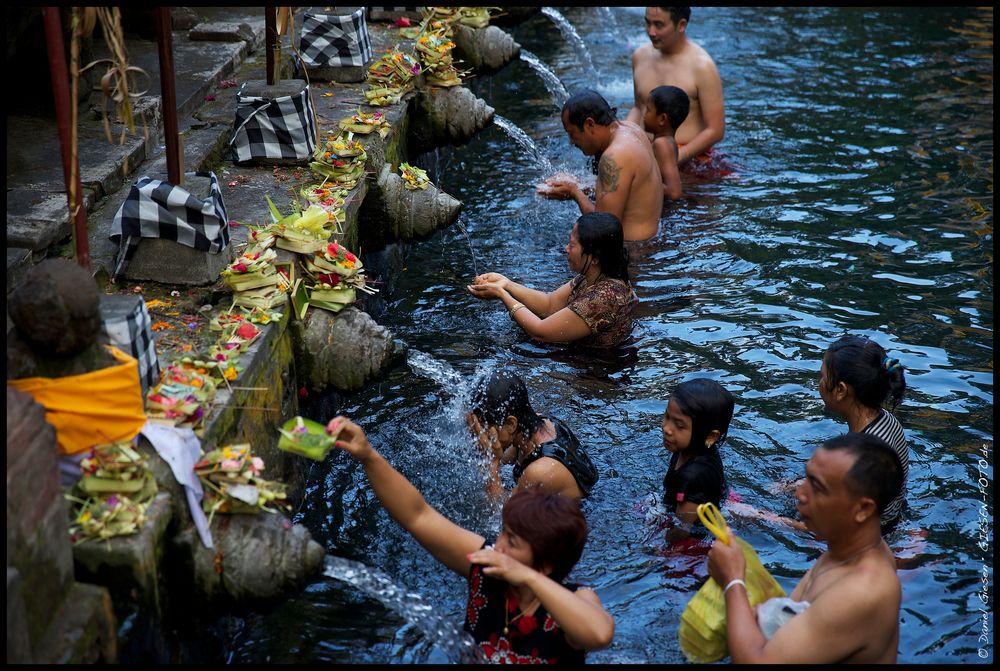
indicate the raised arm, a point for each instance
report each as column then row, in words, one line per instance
column 540, row 303
column 579, row 614
column 713, row 113
column 449, row 543
column 563, row 326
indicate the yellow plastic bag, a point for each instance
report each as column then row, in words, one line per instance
column 702, row 632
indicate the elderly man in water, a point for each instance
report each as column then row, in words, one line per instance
column 628, row 176
column 846, row 607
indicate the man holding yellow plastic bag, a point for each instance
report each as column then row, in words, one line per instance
column 846, row 607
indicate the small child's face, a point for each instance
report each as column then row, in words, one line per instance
column 655, row 123
column 676, row 428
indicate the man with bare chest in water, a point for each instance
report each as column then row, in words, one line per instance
column 628, row 176
column 672, row 59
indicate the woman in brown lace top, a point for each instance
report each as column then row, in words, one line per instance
column 594, row 309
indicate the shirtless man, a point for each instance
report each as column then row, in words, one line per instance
column 671, row 58
column 628, row 177
column 852, row 590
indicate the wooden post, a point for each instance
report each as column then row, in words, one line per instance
column 272, row 46
column 168, row 96
column 71, row 170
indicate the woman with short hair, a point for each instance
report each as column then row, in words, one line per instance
column 520, row 610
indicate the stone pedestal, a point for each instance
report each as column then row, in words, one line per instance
column 170, row 262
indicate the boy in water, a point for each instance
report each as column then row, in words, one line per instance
column 667, row 109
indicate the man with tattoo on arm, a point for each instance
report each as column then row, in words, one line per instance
column 628, row 177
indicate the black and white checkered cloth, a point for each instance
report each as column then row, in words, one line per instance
column 335, row 41
column 158, row 209
column 274, row 127
column 129, row 328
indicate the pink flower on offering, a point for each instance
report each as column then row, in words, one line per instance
column 258, row 464
column 350, row 257
column 402, row 22
column 230, row 465
column 113, row 501
column 241, row 267
column 232, row 345
column 220, row 357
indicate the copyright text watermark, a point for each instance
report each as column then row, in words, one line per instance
column 984, row 541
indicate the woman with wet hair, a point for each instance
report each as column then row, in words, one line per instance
column 544, row 451
column 520, row 608
column 594, row 309
column 856, row 379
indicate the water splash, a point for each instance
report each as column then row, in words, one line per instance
column 472, row 252
column 569, row 32
column 455, row 643
column 425, row 365
column 549, row 78
column 526, row 143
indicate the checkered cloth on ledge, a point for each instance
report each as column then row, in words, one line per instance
column 335, row 41
column 158, row 209
column 274, row 127
column 129, row 328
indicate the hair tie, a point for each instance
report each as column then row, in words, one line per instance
column 890, row 364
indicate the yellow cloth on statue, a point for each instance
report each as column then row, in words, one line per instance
column 99, row 407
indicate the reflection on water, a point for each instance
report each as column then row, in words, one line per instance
column 861, row 201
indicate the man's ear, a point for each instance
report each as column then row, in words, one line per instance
column 589, row 123
column 682, row 25
column 865, row 508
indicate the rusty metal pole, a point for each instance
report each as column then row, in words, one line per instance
column 271, row 44
column 71, row 171
column 168, row 96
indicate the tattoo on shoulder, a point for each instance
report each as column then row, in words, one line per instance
column 609, row 172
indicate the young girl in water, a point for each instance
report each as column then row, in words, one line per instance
column 519, row 609
column 856, row 378
column 695, row 424
column 544, row 451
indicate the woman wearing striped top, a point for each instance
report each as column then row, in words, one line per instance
column 857, row 377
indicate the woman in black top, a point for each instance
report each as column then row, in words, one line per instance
column 544, row 451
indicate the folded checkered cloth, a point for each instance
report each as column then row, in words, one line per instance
column 274, row 127
column 335, row 41
column 159, row 209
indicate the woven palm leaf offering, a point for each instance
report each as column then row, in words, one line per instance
column 413, row 177
column 364, row 124
column 231, row 479
column 475, row 17
column 302, row 232
column 434, row 48
column 265, row 298
column 334, row 258
column 260, row 237
column 252, row 269
column 331, row 199
column 181, row 397
column 113, row 495
column 307, row 438
column 445, row 15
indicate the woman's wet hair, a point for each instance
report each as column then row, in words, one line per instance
column 877, row 472
column 589, row 104
column 501, row 394
column 673, row 102
column 600, row 235
column 709, row 405
column 553, row 526
column 864, row 365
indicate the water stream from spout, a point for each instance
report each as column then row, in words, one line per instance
column 569, row 32
column 549, row 78
column 446, row 638
column 525, row 142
